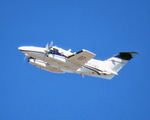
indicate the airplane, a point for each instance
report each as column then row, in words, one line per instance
column 54, row 59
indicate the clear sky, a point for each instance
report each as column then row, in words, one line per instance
column 104, row 27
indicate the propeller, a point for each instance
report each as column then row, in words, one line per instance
column 51, row 45
column 47, row 50
column 26, row 59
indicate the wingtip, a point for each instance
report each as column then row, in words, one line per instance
column 133, row 54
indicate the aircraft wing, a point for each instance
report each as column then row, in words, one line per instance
column 81, row 57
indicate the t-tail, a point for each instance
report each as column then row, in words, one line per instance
column 116, row 62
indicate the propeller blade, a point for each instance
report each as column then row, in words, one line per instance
column 45, row 55
column 46, row 46
column 51, row 45
column 24, row 58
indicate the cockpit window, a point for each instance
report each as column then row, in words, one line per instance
column 55, row 50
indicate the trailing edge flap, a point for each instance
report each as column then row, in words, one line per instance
column 81, row 57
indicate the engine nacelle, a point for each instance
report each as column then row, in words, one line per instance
column 37, row 62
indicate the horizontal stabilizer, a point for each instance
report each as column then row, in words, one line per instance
column 126, row 55
column 81, row 57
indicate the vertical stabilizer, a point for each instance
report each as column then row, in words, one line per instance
column 116, row 62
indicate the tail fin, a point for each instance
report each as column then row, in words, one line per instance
column 116, row 62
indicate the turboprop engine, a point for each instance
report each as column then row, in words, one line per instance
column 37, row 62
column 41, row 64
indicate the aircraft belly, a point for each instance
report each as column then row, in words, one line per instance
column 53, row 69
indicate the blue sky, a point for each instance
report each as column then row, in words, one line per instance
column 102, row 27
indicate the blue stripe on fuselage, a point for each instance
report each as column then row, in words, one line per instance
column 56, row 53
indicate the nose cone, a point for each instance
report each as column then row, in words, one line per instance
column 24, row 48
column 20, row 48
column 31, row 49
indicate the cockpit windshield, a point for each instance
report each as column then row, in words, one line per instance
column 55, row 49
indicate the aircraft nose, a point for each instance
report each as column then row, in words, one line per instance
column 20, row 48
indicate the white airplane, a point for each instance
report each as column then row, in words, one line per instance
column 58, row 60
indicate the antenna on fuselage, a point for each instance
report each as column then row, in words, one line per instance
column 69, row 50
